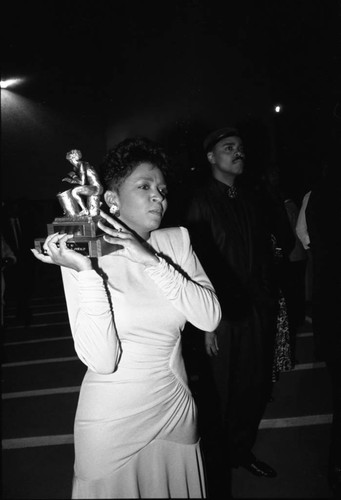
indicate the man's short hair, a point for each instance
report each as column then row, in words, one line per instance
column 216, row 136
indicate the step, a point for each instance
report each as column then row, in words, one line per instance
column 300, row 457
column 301, row 392
column 39, row 415
column 37, row 331
column 304, row 352
column 34, row 473
column 64, row 373
column 35, row 349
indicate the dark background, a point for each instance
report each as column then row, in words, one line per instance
column 96, row 72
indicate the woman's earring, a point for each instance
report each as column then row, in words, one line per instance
column 114, row 210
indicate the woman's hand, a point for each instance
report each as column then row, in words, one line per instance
column 133, row 249
column 60, row 255
column 211, row 344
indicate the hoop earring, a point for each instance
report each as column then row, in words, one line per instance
column 114, row 210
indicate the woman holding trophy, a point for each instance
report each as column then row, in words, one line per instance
column 136, row 422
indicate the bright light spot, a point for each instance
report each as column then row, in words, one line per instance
column 278, row 109
column 8, row 83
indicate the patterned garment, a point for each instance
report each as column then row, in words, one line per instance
column 282, row 353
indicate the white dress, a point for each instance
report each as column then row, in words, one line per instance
column 136, row 422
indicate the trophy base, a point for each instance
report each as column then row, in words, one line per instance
column 87, row 239
column 90, row 247
column 78, row 225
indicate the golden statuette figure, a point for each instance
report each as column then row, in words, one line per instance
column 81, row 208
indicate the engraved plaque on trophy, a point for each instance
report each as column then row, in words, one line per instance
column 81, row 207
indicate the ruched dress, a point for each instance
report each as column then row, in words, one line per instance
column 135, row 428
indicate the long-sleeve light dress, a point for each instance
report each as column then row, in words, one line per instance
column 136, row 422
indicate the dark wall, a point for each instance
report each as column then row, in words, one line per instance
column 171, row 71
column 36, row 136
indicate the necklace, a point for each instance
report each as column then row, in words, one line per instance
column 232, row 192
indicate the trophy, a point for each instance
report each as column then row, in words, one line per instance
column 81, row 206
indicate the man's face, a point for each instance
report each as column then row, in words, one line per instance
column 227, row 157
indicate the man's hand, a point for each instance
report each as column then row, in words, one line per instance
column 211, row 344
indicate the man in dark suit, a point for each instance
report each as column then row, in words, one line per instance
column 233, row 244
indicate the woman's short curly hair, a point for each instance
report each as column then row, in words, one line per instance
column 121, row 160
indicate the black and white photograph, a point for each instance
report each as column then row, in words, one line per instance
column 170, row 249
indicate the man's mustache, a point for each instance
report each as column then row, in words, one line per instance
column 239, row 156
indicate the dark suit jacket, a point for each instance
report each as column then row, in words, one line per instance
column 233, row 244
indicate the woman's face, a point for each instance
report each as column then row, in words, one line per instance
column 142, row 199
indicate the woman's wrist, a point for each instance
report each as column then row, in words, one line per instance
column 86, row 266
column 152, row 260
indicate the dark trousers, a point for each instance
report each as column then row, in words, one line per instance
column 236, row 385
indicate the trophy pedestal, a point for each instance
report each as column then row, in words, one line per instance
column 83, row 199
column 87, row 240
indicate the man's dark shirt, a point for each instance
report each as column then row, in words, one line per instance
column 233, row 244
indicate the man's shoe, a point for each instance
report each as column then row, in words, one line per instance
column 260, row 469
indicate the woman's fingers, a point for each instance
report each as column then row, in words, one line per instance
column 113, row 235
column 51, row 239
column 56, row 242
column 63, row 241
column 56, row 251
column 41, row 256
column 113, row 222
column 129, row 245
